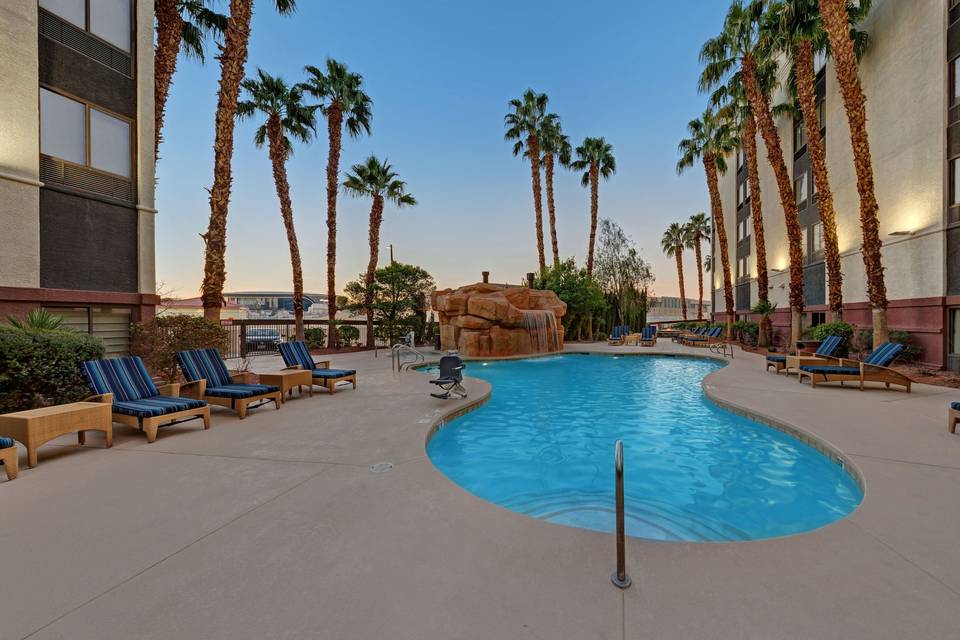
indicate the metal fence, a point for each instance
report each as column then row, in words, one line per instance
column 247, row 338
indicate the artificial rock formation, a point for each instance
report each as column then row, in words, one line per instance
column 488, row 320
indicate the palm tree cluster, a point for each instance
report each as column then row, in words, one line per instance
column 287, row 118
column 539, row 138
column 689, row 235
column 741, row 75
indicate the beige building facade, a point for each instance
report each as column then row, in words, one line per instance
column 911, row 97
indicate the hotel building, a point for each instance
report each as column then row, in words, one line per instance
column 910, row 76
column 77, row 163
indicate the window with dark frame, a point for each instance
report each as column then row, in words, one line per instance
column 108, row 20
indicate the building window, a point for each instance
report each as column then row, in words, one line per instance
column 109, row 20
column 817, row 318
column 822, row 114
column 84, row 135
column 955, row 330
column 799, row 135
column 819, row 61
column 800, row 189
column 816, row 238
column 804, row 239
column 954, row 84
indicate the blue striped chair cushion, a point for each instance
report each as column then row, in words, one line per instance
column 831, row 370
column 239, row 391
column 955, row 406
column 829, row 346
column 125, row 378
column 886, row 353
column 333, row 373
column 777, row 359
column 155, row 406
column 296, row 354
column 204, row 364
column 6, row 443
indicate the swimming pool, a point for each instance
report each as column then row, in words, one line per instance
column 543, row 446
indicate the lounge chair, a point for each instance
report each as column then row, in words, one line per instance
column 136, row 400
column 233, row 390
column 296, row 355
column 823, row 355
column 696, row 333
column 9, row 457
column 618, row 335
column 648, row 336
column 953, row 417
column 450, row 378
column 702, row 340
column 875, row 368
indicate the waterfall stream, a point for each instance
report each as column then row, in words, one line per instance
column 542, row 327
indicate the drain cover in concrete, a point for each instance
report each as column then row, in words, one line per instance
column 381, row 467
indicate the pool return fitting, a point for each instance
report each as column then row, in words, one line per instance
column 620, row 578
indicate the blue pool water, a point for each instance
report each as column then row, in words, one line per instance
column 543, row 446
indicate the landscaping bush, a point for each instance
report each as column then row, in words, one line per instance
column 349, row 335
column 315, row 337
column 42, row 367
column 910, row 353
column 157, row 341
column 839, row 328
column 746, row 332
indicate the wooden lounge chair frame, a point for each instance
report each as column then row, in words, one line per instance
column 953, row 418
column 329, row 383
column 240, row 405
column 151, row 425
column 868, row 373
column 10, row 457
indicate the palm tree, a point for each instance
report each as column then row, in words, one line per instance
column 796, row 29
column 555, row 146
column 377, row 180
column 739, row 46
column 675, row 239
column 287, row 120
column 182, row 25
column 233, row 56
column 711, row 140
column 595, row 159
column 346, row 105
column 525, row 124
column 699, row 226
column 837, row 15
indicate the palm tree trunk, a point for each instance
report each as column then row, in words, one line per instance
column 806, row 94
column 278, row 158
column 760, row 105
column 533, row 148
column 169, row 29
column 376, row 218
column 334, row 133
column 594, row 208
column 696, row 247
column 678, row 254
column 233, row 56
column 854, row 101
column 749, row 140
column 551, row 211
column 716, row 211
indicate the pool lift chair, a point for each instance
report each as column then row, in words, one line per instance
column 450, row 378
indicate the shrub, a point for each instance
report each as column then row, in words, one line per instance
column 157, row 341
column 910, row 353
column 840, row 328
column 315, row 337
column 42, row 367
column 746, row 331
column 349, row 335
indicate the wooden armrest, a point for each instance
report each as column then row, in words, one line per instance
column 321, row 364
column 844, row 362
column 196, row 389
column 170, row 389
column 292, row 368
column 242, row 377
column 103, row 397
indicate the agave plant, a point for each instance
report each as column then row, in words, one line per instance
column 38, row 320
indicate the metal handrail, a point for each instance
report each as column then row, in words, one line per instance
column 620, row 578
column 395, row 356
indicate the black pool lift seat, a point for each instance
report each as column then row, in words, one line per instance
column 450, row 378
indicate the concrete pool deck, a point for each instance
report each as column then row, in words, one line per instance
column 276, row 527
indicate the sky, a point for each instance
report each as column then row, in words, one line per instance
column 440, row 74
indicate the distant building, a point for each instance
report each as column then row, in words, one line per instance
column 194, row 307
column 667, row 308
column 274, row 303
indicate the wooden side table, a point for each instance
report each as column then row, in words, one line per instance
column 36, row 427
column 288, row 379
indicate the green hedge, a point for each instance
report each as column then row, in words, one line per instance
column 158, row 341
column 40, row 368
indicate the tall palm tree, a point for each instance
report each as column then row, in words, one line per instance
column 796, row 29
column 555, row 146
column 675, row 239
column 288, row 119
column 182, row 26
column 525, row 124
column 345, row 105
column 739, row 46
column 595, row 159
column 233, row 57
column 711, row 141
column 699, row 226
column 837, row 15
column 376, row 180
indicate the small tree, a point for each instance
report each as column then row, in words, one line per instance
column 620, row 271
column 575, row 287
column 399, row 299
column 157, row 341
